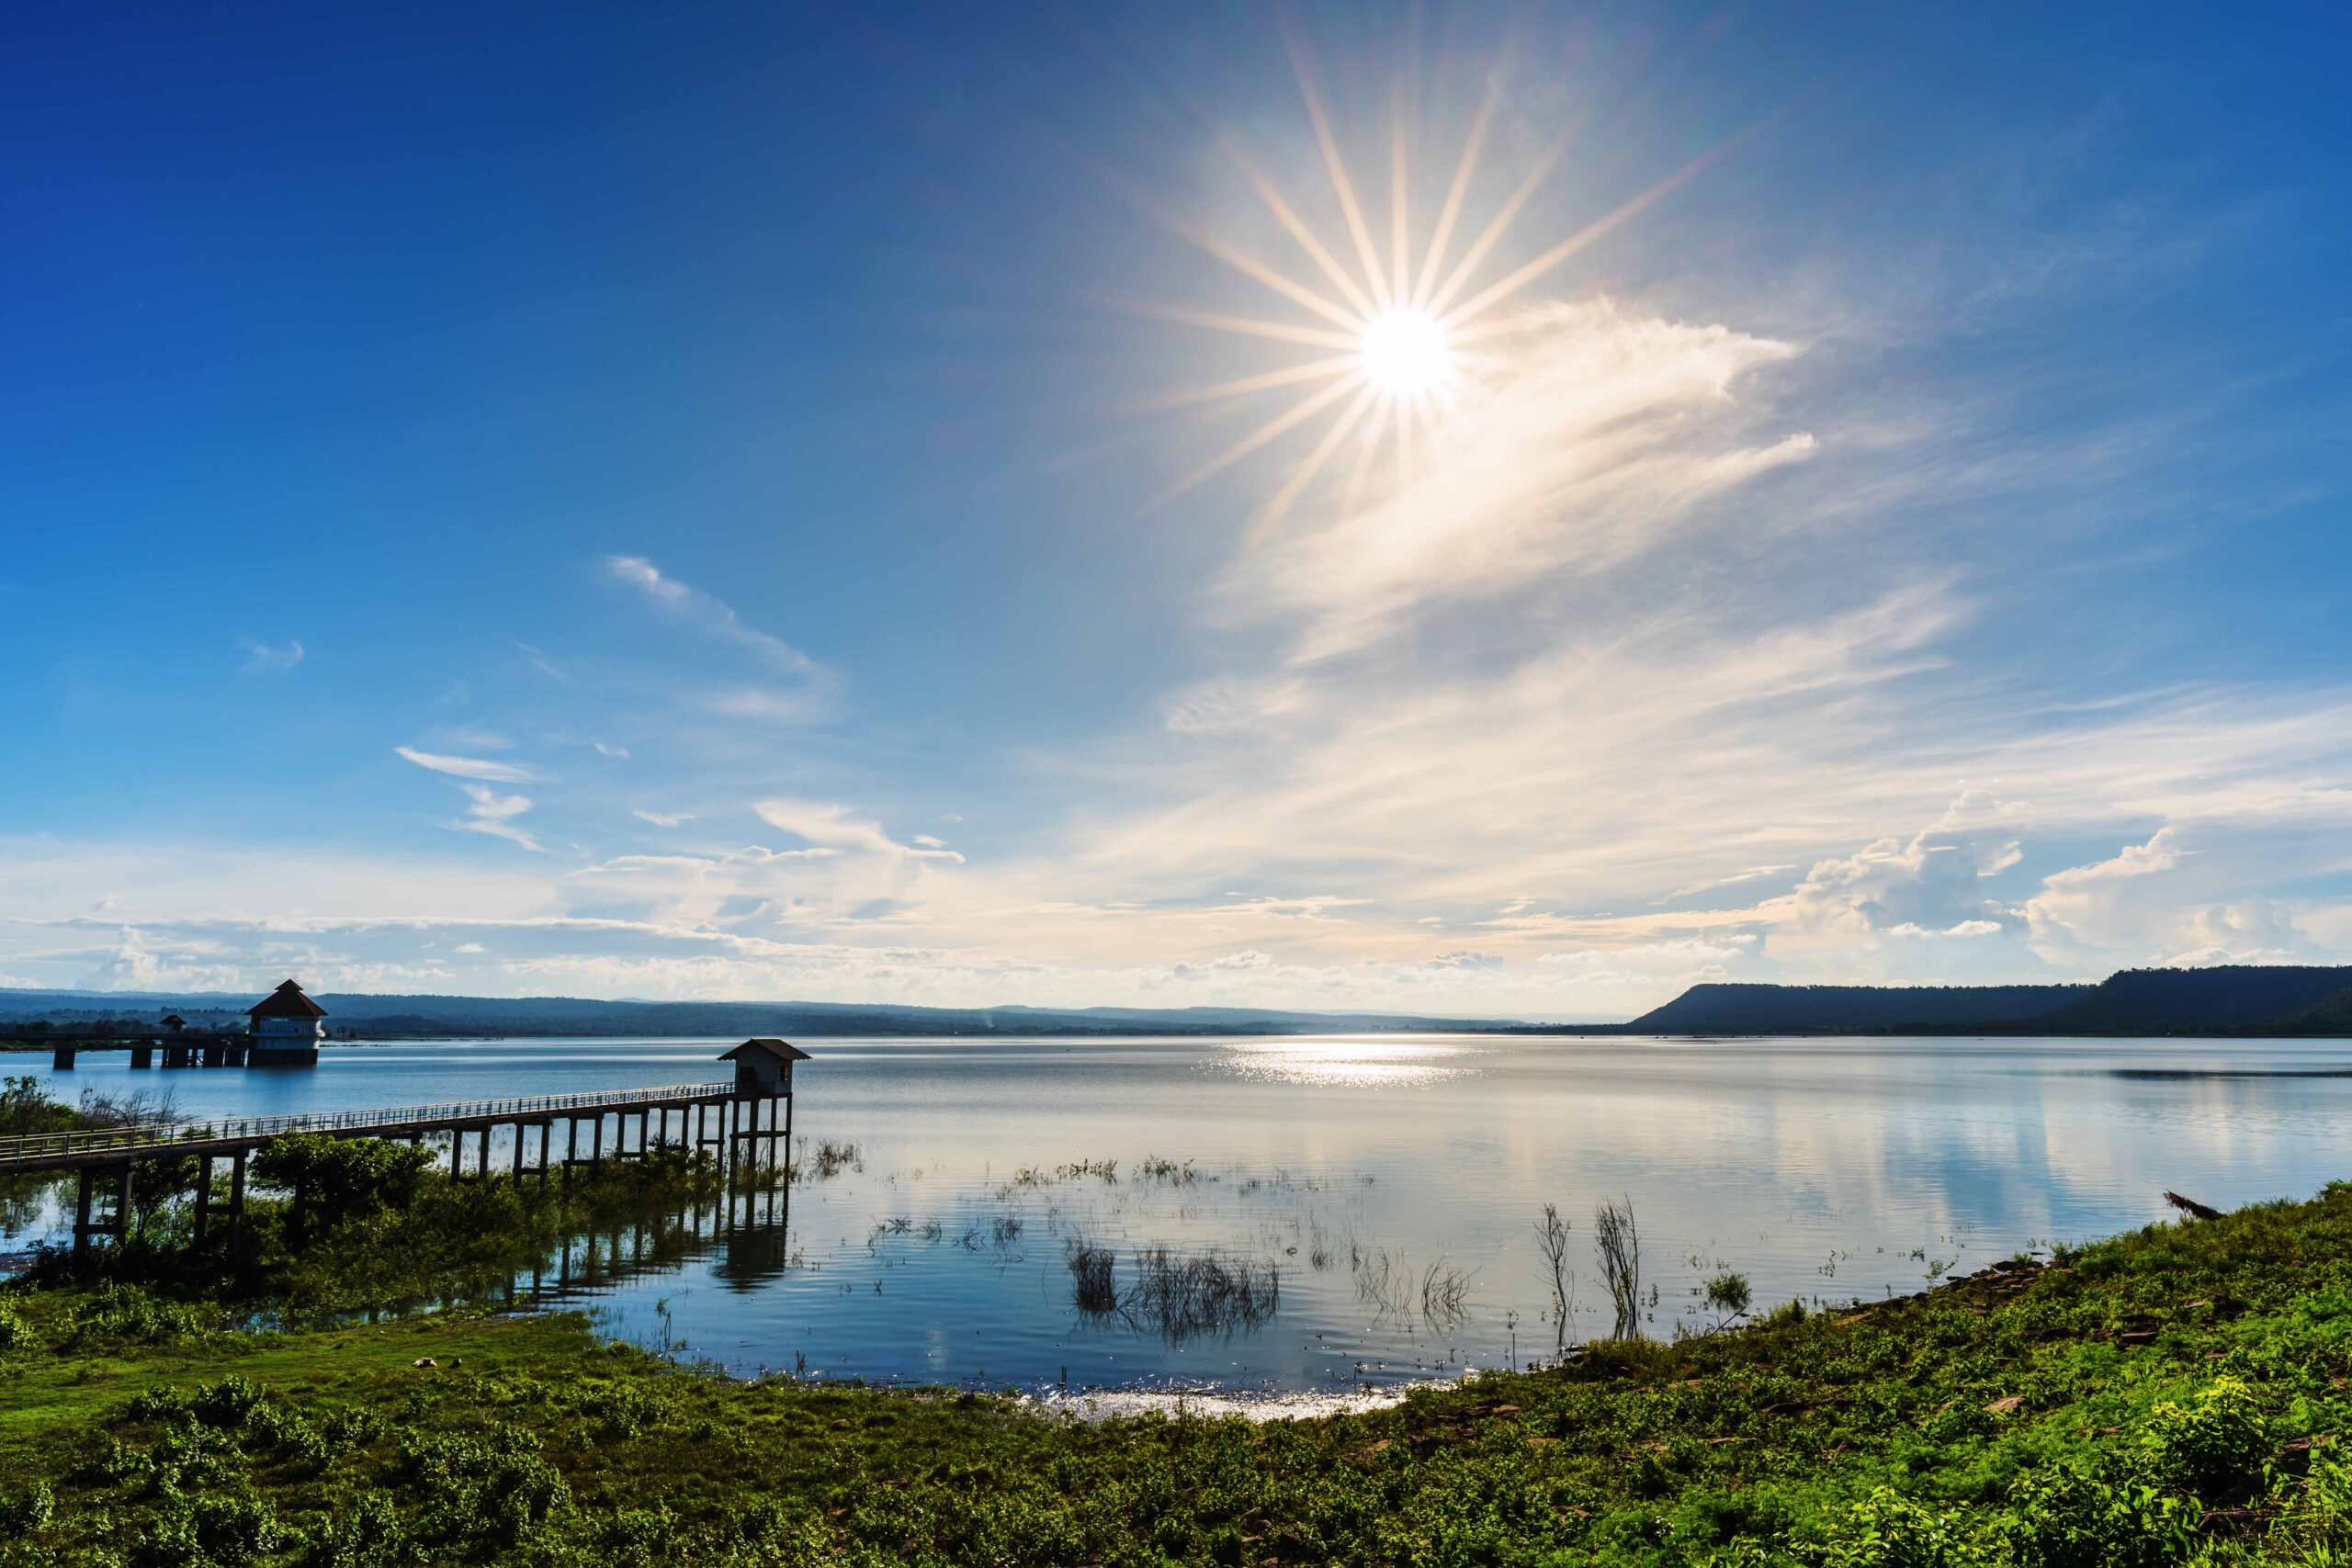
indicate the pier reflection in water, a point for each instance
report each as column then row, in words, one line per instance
column 739, row 1239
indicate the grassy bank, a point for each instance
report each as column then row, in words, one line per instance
column 2168, row 1396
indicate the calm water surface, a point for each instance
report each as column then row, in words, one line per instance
column 1349, row 1168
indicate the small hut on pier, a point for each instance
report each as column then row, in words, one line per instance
column 763, row 1067
column 286, row 1027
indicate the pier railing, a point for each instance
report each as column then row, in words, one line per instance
column 40, row 1148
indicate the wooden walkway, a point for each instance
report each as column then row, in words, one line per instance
column 710, row 1116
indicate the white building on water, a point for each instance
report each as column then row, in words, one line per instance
column 286, row 1029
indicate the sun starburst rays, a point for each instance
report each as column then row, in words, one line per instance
column 1396, row 339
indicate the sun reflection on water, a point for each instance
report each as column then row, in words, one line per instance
column 1344, row 1063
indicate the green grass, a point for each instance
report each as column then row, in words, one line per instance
column 2170, row 1397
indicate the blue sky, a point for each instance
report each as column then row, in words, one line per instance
column 710, row 503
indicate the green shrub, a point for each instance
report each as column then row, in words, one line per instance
column 2218, row 1438
column 21, row 1513
column 2110, row 1517
column 228, row 1406
column 368, row 1534
column 130, row 1315
column 16, row 1334
column 334, row 1179
column 1887, row 1530
column 209, row 1532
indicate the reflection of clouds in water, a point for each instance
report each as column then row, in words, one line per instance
column 1348, row 1064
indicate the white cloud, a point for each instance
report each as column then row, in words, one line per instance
column 838, row 827
column 1734, row 879
column 1230, row 704
column 606, row 749
column 1605, row 434
column 1927, row 885
column 494, row 814
column 767, row 706
column 260, row 655
column 2190, row 895
column 543, row 664
column 664, row 818
column 710, row 616
column 468, row 767
column 1910, row 930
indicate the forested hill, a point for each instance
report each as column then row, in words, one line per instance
column 1848, row 1010
column 382, row 1016
column 2226, row 1000
column 2237, row 998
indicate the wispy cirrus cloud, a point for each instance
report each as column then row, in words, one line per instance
column 543, row 664
column 494, row 814
column 710, row 616
column 469, row 767
column 839, row 826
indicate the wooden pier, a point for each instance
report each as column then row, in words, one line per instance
column 741, row 1122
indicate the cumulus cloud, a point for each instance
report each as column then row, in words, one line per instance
column 468, row 767
column 138, row 963
column 1931, row 883
column 2253, row 930
column 2189, row 895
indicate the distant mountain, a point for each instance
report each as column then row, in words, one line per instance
column 2222, row 1000
column 1720, row 1008
column 579, row 1016
column 2244, row 998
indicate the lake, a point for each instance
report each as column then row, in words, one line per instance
column 1339, row 1176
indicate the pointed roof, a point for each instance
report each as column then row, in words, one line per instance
column 782, row 1051
column 286, row 1001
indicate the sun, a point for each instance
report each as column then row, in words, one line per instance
column 1408, row 353
column 1393, row 324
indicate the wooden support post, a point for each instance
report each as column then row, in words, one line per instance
column 124, row 1202
column 203, row 1193
column 81, row 1213
column 237, row 1192
column 518, row 1153
column 596, row 1154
